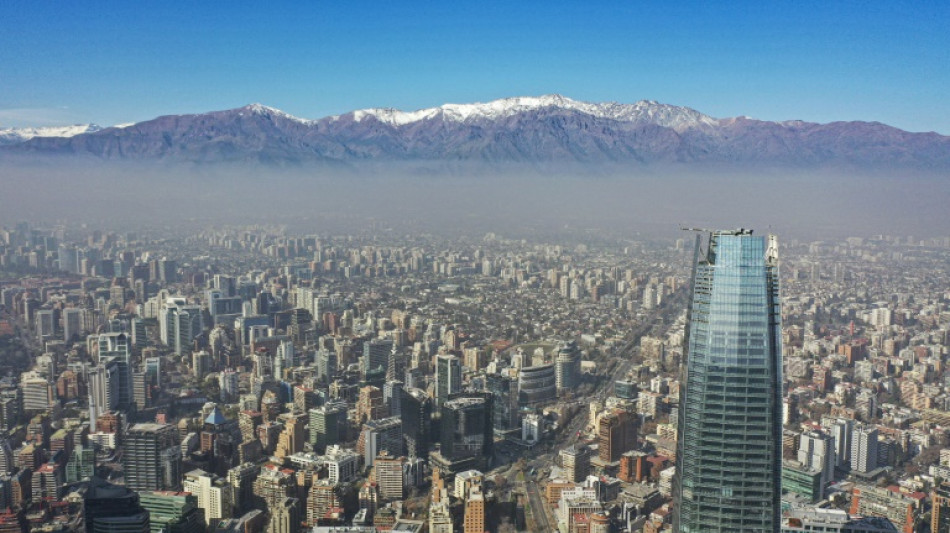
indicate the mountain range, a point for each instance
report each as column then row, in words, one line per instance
column 543, row 130
column 10, row 136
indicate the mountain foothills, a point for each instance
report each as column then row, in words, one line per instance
column 533, row 130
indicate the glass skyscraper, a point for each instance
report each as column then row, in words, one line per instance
column 729, row 453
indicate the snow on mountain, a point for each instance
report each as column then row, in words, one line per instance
column 18, row 135
column 538, row 130
column 267, row 111
column 644, row 111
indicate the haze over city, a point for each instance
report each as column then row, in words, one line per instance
column 117, row 64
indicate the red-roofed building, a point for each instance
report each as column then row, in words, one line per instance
column 11, row 522
column 48, row 482
column 899, row 507
column 581, row 523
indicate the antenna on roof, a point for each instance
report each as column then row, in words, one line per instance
column 739, row 231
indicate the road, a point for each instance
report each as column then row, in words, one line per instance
column 538, row 509
column 670, row 307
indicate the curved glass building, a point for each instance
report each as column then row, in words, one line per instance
column 729, row 453
column 537, row 384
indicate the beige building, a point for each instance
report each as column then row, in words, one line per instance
column 389, row 478
column 475, row 512
column 213, row 492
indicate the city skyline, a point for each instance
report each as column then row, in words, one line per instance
column 430, row 267
column 118, row 63
column 273, row 407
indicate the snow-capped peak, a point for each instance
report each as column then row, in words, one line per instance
column 642, row 112
column 645, row 111
column 261, row 109
column 18, row 135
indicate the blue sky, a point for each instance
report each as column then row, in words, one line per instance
column 116, row 62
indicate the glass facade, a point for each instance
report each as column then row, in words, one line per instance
column 728, row 476
column 806, row 483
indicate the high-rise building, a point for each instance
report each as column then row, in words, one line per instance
column 900, row 508
column 228, row 384
column 112, row 508
column 940, row 513
column 634, row 466
column 729, row 452
column 141, row 390
column 448, row 377
column 384, row 435
column 179, row 324
column 200, row 363
column 173, row 512
column 7, row 464
column 567, row 366
column 47, row 482
column 38, row 393
column 475, row 512
column 327, row 425
column 537, row 384
column 305, row 399
column 626, row 389
column 504, row 390
column 323, row 496
column 342, row 464
column 864, row 449
column 139, row 332
column 72, row 324
column 152, row 457
column 392, row 396
column 326, row 365
column 116, row 349
column 805, row 482
column 241, row 478
column 616, row 434
column 248, row 422
column 291, row 439
column 577, row 503
column 167, row 270
column 45, row 324
column 286, row 516
column 416, row 421
column 82, row 464
column 816, row 451
column 440, row 517
column 531, row 427
column 10, row 407
column 68, row 258
column 389, row 477
column 272, row 485
column 842, row 431
column 575, row 460
column 213, row 493
column 466, row 433
column 20, row 490
column 103, row 389
column 599, row 523
column 375, row 360
column 283, row 358
column 370, row 405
